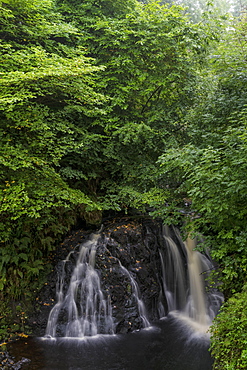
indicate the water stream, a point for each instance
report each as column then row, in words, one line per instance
column 184, row 277
column 88, row 309
column 137, row 295
column 85, row 309
column 96, row 298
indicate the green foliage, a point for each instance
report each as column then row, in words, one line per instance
column 13, row 322
column 150, row 56
column 84, row 12
column 229, row 333
column 6, row 325
column 121, row 106
column 210, row 167
column 215, row 179
column 198, row 9
column 40, row 89
column 207, row 171
column 69, row 151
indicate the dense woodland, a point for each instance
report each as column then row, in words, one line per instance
column 110, row 105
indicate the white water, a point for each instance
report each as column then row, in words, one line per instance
column 88, row 310
column 173, row 273
column 196, row 307
column 137, row 295
column 84, row 310
column 186, row 294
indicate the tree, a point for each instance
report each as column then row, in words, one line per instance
column 207, row 172
column 150, row 57
column 79, row 138
column 210, row 167
column 196, row 9
column 40, row 89
column 228, row 343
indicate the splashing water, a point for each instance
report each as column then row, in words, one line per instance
column 88, row 311
column 137, row 295
column 83, row 309
column 185, row 293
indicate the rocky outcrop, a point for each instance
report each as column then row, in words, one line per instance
column 127, row 243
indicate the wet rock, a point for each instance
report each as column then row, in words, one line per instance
column 7, row 361
column 130, row 243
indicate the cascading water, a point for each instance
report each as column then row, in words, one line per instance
column 119, row 281
column 184, row 271
column 196, row 307
column 105, row 297
column 173, row 272
column 137, row 296
column 88, row 310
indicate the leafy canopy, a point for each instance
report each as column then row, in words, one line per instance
column 39, row 89
column 209, row 168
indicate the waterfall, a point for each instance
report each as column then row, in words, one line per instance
column 173, row 272
column 88, row 310
column 184, row 272
column 137, row 295
column 196, row 307
column 102, row 285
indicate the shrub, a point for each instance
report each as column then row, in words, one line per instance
column 229, row 334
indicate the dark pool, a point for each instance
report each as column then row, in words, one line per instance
column 168, row 345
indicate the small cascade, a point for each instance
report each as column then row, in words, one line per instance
column 173, row 272
column 88, row 311
column 196, row 307
column 53, row 317
column 184, row 273
column 96, row 294
column 137, row 296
